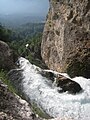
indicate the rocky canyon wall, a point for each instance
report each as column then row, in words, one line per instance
column 66, row 38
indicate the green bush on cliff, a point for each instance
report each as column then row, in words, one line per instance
column 4, row 78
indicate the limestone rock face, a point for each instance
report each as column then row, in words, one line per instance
column 6, row 56
column 66, row 37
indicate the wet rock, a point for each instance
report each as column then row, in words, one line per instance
column 12, row 107
column 61, row 119
column 48, row 74
column 64, row 83
column 39, row 91
column 68, row 85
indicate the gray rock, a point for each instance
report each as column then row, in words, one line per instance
column 6, row 56
column 12, row 107
column 66, row 37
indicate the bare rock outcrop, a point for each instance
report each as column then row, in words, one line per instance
column 12, row 107
column 6, row 56
column 66, row 37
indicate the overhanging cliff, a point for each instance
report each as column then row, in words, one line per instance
column 66, row 37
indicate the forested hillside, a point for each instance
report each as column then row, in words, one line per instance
column 4, row 34
column 26, row 31
column 17, row 39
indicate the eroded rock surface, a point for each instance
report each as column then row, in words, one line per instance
column 66, row 38
column 12, row 107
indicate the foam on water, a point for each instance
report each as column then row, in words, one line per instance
column 64, row 105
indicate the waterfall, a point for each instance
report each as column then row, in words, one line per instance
column 39, row 89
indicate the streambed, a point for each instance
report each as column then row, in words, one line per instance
column 39, row 90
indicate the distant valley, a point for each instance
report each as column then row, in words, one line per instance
column 26, row 31
column 15, row 20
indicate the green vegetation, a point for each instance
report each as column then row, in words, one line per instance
column 30, row 33
column 33, row 52
column 38, row 111
column 17, row 40
column 27, row 31
column 5, row 34
column 4, row 78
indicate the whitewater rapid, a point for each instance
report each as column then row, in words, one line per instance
column 39, row 90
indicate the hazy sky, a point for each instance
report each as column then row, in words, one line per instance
column 24, row 6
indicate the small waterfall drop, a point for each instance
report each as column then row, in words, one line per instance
column 40, row 91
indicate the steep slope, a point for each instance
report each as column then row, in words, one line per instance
column 6, row 56
column 40, row 91
column 12, row 107
column 66, row 38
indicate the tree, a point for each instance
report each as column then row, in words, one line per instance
column 4, row 34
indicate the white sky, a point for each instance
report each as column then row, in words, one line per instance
column 24, row 6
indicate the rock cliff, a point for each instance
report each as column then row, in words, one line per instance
column 66, row 37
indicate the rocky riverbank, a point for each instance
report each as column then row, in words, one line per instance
column 39, row 90
column 12, row 107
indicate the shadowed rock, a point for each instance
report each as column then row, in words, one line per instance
column 48, row 75
column 66, row 84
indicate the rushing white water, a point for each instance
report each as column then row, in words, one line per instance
column 63, row 105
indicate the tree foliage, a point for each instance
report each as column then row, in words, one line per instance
column 27, row 31
column 30, row 34
column 4, row 34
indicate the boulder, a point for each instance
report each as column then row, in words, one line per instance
column 66, row 38
column 6, row 56
column 67, row 85
column 64, row 83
